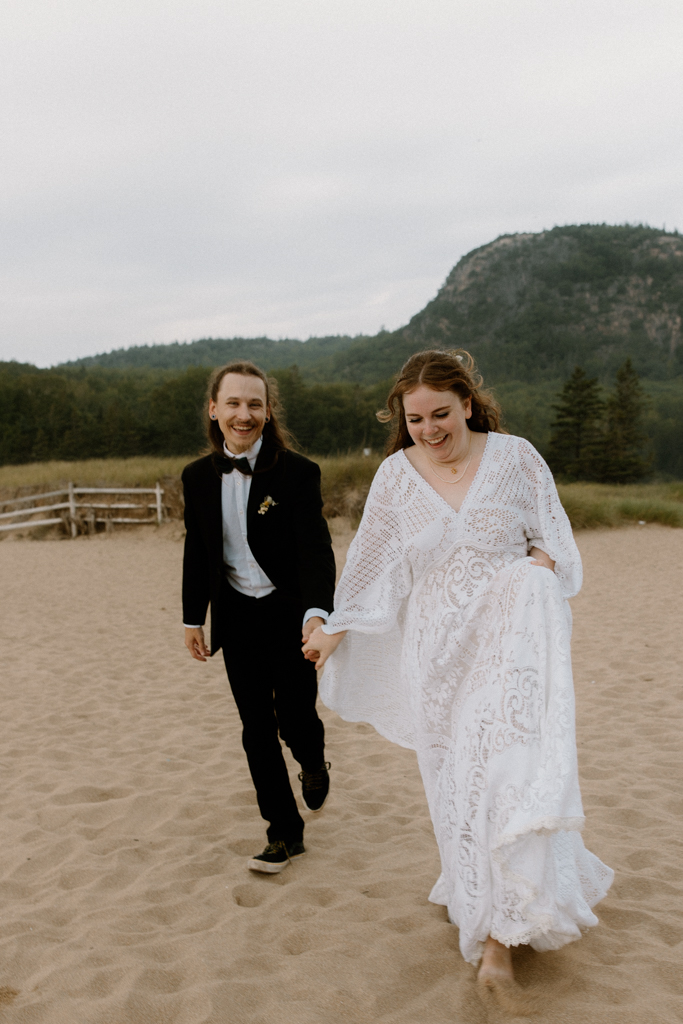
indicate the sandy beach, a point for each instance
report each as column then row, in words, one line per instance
column 128, row 814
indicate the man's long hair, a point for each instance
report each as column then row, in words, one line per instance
column 274, row 432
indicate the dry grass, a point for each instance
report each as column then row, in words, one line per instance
column 346, row 480
column 141, row 471
column 592, row 505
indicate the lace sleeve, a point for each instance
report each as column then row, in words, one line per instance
column 377, row 576
column 548, row 527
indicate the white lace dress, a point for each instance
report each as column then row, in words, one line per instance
column 459, row 648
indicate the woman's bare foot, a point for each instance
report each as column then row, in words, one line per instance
column 496, row 980
column 496, row 964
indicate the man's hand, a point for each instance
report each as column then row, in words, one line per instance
column 540, row 558
column 194, row 641
column 321, row 645
column 309, row 626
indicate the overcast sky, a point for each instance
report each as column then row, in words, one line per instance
column 175, row 170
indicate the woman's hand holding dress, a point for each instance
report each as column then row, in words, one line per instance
column 541, row 558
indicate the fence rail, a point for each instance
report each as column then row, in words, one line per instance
column 72, row 517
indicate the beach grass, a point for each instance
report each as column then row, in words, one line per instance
column 139, row 471
column 593, row 505
column 346, row 480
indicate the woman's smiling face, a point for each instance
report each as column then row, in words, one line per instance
column 437, row 422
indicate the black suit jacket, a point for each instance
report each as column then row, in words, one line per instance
column 291, row 541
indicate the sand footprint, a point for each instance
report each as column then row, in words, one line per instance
column 89, row 795
column 250, row 894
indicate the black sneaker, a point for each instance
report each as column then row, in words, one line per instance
column 315, row 787
column 276, row 857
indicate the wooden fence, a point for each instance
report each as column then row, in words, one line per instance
column 81, row 516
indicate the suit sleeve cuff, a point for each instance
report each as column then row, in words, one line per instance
column 316, row 612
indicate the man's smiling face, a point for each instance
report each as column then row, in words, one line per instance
column 240, row 410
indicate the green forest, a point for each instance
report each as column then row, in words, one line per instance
column 531, row 309
column 97, row 413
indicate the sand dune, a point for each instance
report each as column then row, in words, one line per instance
column 128, row 813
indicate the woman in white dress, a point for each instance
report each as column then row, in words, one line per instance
column 451, row 636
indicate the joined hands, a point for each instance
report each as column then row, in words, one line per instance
column 321, row 645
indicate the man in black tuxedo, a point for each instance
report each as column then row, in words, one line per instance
column 258, row 550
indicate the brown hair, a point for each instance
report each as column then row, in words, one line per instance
column 442, row 371
column 273, row 431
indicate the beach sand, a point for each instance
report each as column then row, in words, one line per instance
column 128, row 814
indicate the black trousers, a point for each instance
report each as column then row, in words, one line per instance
column 275, row 690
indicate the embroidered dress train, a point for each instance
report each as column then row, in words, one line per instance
column 459, row 648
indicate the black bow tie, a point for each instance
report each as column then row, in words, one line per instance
column 225, row 465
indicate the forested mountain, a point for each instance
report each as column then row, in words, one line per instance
column 312, row 355
column 530, row 307
column 535, row 306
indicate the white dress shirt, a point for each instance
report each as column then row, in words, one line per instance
column 243, row 571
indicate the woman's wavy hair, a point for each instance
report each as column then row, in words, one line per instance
column 274, row 432
column 443, row 371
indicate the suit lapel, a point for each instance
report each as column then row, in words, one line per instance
column 260, row 482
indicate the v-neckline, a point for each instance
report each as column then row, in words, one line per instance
column 470, row 489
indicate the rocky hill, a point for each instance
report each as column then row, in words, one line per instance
column 530, row 307
column 537, row 305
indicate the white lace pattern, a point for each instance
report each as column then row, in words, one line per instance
column 459, row 648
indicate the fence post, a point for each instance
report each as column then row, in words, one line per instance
column 72, row 510
column 160, row 507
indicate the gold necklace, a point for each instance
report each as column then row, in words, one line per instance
column 453, row 470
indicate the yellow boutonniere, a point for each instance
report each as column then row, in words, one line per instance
column 265, row 505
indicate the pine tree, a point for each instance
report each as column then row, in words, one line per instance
column 625, row 439
column 577, row 434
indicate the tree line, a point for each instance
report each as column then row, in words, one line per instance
column 96, row 412
column 102, row 413
column 597, row 436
